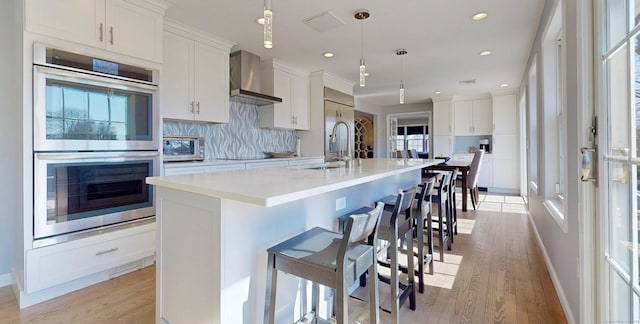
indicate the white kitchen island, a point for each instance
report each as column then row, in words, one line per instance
column 213, row 230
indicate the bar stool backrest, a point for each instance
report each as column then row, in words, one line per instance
column 443, row 188
column 359, row 228
column 423, row 196
column 403, row 203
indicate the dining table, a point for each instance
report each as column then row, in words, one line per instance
column 463, row 168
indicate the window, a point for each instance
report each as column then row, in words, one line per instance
column 553, row 128
column 413, row 137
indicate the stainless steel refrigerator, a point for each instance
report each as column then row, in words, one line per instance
column 338, row 106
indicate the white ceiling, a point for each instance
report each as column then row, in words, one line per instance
column 442, row 41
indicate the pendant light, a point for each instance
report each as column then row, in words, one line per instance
column 268, row 24
column 362, row 14
column 401, row 52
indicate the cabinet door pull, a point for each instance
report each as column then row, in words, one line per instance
column 191, row 107
column 198, row 107
column 101, row 28
column 107, row 251
column 111, row 35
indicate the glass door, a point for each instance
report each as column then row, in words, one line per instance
column 393, row 137
column 619, row 111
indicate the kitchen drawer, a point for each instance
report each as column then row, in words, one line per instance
column 186, row 170
column 227, row 167
column 64, row 262
column 306, row 161
column 269, row 164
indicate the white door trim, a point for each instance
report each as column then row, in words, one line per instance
column 587, row 192
column 428, row 114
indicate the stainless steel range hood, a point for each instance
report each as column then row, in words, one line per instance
column 245, row 80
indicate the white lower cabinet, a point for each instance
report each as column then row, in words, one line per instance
column 505, row 148
column 507, row 177
column 486, row 172
column 64, row 262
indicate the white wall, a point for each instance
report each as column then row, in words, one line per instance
column 10, row 132
column 561, row 248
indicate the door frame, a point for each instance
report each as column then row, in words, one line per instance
column 429, row 116
column 588, row 192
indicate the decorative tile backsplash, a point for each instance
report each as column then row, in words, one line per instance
column 241, row 138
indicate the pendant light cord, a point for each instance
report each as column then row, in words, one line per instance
column 361, row 39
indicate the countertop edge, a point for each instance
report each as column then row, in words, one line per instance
column 282, row 198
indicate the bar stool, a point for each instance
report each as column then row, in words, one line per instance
column 441, row 198
column 423, row 227
column 421, row 218
column 451, row 205
column 330, row 259
column 393, row 227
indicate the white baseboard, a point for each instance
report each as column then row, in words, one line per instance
column 564, row 302
column 5, row 279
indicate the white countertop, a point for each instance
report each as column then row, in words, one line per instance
column 274, row 186
column 223, row 161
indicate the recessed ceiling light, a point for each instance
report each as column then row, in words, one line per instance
column 479, row 16
column 504, row 85
column 485, row 53
column 437, row 92
column 327, row 54
column 260, row 20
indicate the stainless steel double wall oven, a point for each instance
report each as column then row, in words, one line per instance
column 94, row 142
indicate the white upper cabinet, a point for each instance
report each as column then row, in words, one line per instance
column 211, row 83
column 463, row 112
column 442, row 118
column 133, row 30
column 293, row 87
column 195, row 77
column 473, row 117
column 116, row 25
column 504, row 114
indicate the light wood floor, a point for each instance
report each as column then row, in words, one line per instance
column 495, row 273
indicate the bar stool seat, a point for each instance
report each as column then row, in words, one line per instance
column 330, row 259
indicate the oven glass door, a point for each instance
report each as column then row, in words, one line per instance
column 80, row 191
column 76, row 111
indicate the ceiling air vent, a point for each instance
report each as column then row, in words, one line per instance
column 324, row 21
column 472, row 81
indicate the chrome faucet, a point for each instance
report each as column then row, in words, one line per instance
column 345, row 158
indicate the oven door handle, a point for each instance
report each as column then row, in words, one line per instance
column 96, row 155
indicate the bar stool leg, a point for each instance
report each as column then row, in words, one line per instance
column 411, row 273
column 420, row 236
column 270, row 300
column 374, row 303
column 342, row 299
column 395, row 279
column 315, row 298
